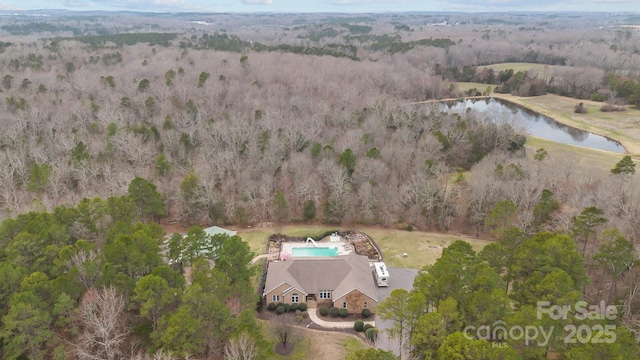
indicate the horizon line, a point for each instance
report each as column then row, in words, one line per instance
column 8, row 11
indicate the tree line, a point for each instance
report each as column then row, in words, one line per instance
column 100, row 281
column 590, row 84
column 246, row 138
column 472, row 305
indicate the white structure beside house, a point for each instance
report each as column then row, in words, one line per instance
column 381, row 273
column 215, row 230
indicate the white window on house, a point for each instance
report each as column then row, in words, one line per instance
column 294, row 298
column 366, row 305
column 344, row 305
column 325, row 294
column 276, row 298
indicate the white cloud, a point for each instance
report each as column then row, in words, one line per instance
column 509, row 3
column 257, row 2
column 636, row 2
column 326, row 5
column 148, row 5
column 78, row 3
column 367, row 2
column 5, row 6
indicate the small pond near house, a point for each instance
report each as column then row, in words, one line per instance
column 535, row 124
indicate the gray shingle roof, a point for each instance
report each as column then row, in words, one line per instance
column 214, row 230
column 341, row 274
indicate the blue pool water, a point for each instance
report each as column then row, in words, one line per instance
column 313, row 251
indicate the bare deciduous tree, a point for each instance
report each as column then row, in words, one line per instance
column 284, row 329
column 101, row 317
column 241, row 347
column 88, row 267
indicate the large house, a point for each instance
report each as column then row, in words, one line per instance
column 340, row 281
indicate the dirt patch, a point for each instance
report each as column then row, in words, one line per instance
column 283, row 350
column 436, row 249
column 362, row 244
column 171, row 227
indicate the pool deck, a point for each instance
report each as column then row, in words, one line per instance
column 343, row 246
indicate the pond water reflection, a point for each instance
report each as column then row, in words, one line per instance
column 535, row 124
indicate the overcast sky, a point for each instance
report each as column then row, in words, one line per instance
column 350, row 6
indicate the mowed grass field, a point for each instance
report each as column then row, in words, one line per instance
column 465, row 86
column 582, row 158
column 422, row 248
column 623, row 126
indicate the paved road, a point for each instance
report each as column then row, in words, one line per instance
column 398, row 279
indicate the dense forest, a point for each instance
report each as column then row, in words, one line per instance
column 92, row 282
column 224, row 131
column 113, row 123
column 496, row 305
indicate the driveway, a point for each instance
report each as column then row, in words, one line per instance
column 398, row 279
column 313, row 316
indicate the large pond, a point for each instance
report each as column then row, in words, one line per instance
column 535, row 124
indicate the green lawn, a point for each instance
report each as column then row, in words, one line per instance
column 584, row 159
column 464, row 86
column 352, row 345
column 620, row 126
column 257, row 237
column 301, row 343
column 422, row 248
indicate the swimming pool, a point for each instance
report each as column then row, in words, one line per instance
column 314, row 251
